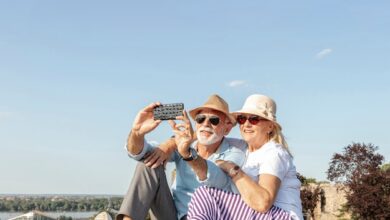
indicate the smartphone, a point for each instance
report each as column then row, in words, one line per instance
column 168, row 111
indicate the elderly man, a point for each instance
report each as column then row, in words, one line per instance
column 195, row 162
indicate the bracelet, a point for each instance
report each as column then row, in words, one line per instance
column 234, row 171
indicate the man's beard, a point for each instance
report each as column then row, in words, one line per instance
column 214, row 138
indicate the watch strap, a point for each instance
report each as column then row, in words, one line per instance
column 234, row 171
column 193, row 155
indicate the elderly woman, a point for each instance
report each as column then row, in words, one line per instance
column 267, row 183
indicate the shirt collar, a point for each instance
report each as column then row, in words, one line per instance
column 222, row 147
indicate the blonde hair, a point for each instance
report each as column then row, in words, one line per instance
column 277, row 136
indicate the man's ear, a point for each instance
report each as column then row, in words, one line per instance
column 228, row 128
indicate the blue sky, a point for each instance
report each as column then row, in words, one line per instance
column 73, row 75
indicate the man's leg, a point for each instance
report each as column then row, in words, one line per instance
column 148, row 190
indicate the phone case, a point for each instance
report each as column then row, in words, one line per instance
column 168, row 111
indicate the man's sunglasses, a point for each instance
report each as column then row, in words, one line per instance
column 253, row 119
column 214, row 120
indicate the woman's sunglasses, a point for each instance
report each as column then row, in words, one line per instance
column 214, row 120
column 253, row 119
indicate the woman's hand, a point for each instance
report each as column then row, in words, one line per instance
column 226, row 166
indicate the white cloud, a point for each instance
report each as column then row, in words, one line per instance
column 323, row 53
column 236, row 83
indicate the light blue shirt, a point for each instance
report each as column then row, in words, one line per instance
column 186, row 181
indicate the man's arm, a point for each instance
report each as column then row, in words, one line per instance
column 184, row 136
column 210, row 174
column 143, row 124
column 203, row 168
column 215, row 176
column 161, row 154
column 199, row 166
column 135, row 142
column 168, row 146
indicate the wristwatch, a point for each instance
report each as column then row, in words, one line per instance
column 193, row 155
column 234, row 171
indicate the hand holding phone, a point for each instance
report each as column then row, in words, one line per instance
column 168, row 111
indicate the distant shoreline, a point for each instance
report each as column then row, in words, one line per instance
column 62, row 195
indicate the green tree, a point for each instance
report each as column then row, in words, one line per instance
column 385, row 167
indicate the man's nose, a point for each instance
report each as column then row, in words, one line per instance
column 206, row 122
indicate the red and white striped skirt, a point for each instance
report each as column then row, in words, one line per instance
column 209, row 203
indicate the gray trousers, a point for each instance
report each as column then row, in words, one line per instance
column 148, row 190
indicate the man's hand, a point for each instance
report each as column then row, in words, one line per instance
column 156, row 158
column 184, row 134
column 144, row 121
column 143, row 124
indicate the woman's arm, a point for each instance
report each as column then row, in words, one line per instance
column 259, row 196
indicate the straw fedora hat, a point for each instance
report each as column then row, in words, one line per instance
column 215, row 102
column 260, row 105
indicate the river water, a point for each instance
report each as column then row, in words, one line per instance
column 74, row 215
